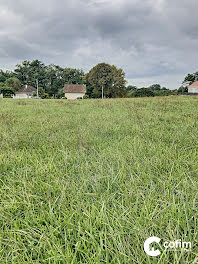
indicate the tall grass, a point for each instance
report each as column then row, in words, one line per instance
column 89, row 181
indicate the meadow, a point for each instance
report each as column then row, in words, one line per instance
column 88, row 181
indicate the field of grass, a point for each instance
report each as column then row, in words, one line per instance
column 89, row 181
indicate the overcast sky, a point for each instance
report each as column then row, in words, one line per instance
column 154, row 41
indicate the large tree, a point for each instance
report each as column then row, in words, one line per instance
column 50, row 78
column 14, row 83
column 4, row 75
column 108, row 78
column 28, row 72
column 6, row 91
column 57, row 77
column 190, row 78
column 22, row 72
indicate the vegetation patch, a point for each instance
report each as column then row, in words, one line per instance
column 89, row 181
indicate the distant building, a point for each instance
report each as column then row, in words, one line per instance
column 74, row 91
column 1, row 95
column 26, row 92
column 193, row 88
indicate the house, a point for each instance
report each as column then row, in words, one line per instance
column 193, row 88
column 74, row 91
column 1, row 95
column 26, row 92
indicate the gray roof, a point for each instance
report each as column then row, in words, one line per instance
column 75, row 88
column 27, row 89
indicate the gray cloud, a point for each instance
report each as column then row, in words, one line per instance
column 152, row 40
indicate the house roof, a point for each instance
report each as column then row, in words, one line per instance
column 195, row 84
column 75, row 88
column 27, row 89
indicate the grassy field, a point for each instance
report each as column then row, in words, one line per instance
column 89, row 181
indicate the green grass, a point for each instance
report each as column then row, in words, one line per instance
column 89, row 181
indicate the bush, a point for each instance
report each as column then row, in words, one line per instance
column 60, row 94
column 182, row 90
column 7, row 91
column 143, row 92
column 85, row 96
column 45, row 96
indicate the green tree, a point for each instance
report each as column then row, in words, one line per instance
column 72, row 76
column 106, row 77
column 191, row 78
column 37, row 71
column 182, row 90
column 14, row 83
column 28, row 72
column 89, row 90
column 7, row 91
column 57, row 77
column 155, row 87
column 165, row 89
column 131, row 88
column 2, row 77
column 61, row 93
column 52, row 78
column 143, row 92
column 22, row 72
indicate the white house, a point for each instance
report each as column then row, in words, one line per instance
column 26, row 92
column 1, row 95
column 74, row 91
column 193, row 88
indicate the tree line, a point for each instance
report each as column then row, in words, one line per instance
column 102, row 80
column 51, row 78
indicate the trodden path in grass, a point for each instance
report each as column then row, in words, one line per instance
column 89, row 181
